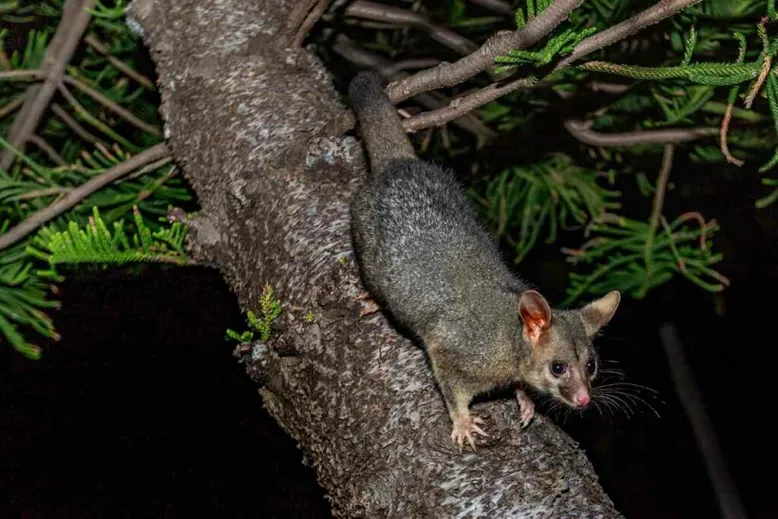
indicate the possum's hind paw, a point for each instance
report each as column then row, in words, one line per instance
column 365, row 304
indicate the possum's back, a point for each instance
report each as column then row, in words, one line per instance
column 422, row 247
column 419, row 245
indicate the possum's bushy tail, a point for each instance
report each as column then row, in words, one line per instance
column 379, row 125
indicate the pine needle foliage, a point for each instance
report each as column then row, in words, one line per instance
column 269, row 310
column 85, row 139
column 95, row 243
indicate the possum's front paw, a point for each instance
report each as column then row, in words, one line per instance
column 526, row 408
column 464, row 427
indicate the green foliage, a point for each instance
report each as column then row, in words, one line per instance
column 616, row 259
column 523, row 200
column 269, row 310
column 86, row 138
column 95, row 243
column 558, row 44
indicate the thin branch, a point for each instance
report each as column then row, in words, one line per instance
column 74, row 125
column 386, row 13
column 310, row 21
column 296, row 19
column 580, row 130
column 121, row 66
column 28, row 74
column 50, row 191
column 45, row 147
column 11, row 106
column 659, row 201
column 463, row 105
column 498, row 6
column 75, row 18
column 395, row 67
column 112, row 106
column 694, row 407
column 654, row 14
column 430, row 100
column 451, row 74
column 91, row 119
column 78, row 194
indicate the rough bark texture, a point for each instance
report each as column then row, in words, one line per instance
column 245, row 118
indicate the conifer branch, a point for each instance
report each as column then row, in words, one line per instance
column 75, row 18
column 75, row 196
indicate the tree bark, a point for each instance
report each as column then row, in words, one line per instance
column 245, row 118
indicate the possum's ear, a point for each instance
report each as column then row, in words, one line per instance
column 535, row 315
column 596, row 314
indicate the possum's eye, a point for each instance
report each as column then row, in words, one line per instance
column 558, row 368
column 591, row 367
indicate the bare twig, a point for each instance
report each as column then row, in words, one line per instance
column 47, row 149
column 310, row 21
column 28, row 74
column 723, row 138
column 88, row 117
column 451, row 74
column 297, row 19
column 694, row 406
column 112, row 106
column 78, row 194
column 659, row 201
column 608, row 88
column 463, row 105
column 121, row 66
column 386, row 13
column 395, row 67
column 430, row 100
column 654, row 14
column 75, row 18
column 5, row 63
column 498, row 6
column 39, row 193
column 74, row 125
column 580, row 130
column 11, row 106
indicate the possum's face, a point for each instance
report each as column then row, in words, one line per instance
column 563, row 362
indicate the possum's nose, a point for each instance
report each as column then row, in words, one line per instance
column 581, row 398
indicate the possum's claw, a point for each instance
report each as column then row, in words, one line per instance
column 526, row 408
column 464, row 427
column 367, row 306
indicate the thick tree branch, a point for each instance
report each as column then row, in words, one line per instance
column 386, row 13
column 452, row 74
column 580, row 130
column 246, row 122
column 74, row 196
column 75, row 18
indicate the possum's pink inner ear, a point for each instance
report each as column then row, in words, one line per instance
column 535, row 315
column 596, row 314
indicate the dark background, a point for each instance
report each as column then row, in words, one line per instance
column 141, row 410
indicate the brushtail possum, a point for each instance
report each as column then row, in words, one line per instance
column 425, row 260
